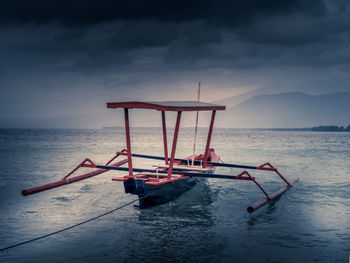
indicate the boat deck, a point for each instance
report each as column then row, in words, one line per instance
column 186, row 167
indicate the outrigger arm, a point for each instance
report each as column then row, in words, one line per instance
column 245, row 175
column 68, row 180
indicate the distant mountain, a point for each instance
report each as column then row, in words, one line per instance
column 322, row 88
column 283, row 110
column 287, row 110
column 230, row 102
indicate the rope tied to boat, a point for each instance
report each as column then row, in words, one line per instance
column 72, row 226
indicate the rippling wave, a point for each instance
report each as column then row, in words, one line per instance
column 310, row 223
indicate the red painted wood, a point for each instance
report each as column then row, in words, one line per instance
column 87, row 160
column 165, row 181
column 273, row 196
column 69, row 180
column 165, row 138
column 271, row 168
column 173, row 149
column 257, row 184
column 128, row 144
column 122, row 179
column 161, row 107
column 209, row 138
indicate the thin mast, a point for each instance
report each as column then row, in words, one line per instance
column 196, row 127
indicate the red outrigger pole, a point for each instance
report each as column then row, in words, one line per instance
column 169, row 180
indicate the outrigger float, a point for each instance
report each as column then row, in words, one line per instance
column 168, row 180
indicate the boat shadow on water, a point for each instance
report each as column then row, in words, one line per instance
column 181, row 230
column 192, row 207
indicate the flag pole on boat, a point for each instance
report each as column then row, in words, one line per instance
column 196, row 127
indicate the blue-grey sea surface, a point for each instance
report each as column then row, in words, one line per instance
column 209, row 223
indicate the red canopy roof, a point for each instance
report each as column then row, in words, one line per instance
column 166, row 105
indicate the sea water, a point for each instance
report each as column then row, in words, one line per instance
column 209, row 223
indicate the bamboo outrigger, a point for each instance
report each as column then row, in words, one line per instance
column 167, row 181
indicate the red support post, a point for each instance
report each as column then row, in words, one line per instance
column 165, row 138
column 128, row 144
column 271, row 168
column 176, row 133
column 87, row 160
column 209, row 138
column 257, row 184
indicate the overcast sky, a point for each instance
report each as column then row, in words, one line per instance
column 70, row 57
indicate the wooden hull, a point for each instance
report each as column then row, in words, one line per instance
column 157, row 191
column 152, row 195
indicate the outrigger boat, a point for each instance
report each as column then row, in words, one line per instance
column 168, row 180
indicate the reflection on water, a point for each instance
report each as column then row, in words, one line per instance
column 192, row 207
column 209, row 223
column 185, row 225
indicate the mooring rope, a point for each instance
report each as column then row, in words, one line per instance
column 70, row 227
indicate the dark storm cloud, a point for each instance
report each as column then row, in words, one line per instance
column 127, row 48
column 131, row 35
column 92, row 27
column 78, row 13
